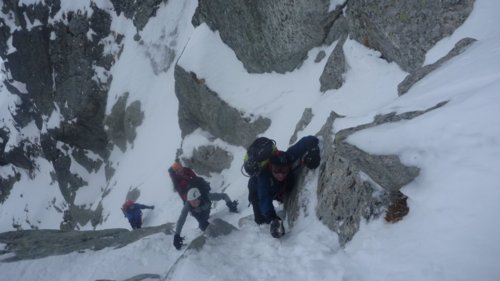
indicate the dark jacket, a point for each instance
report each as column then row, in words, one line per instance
column 201, row 213
column 269, row 189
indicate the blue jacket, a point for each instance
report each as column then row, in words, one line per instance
column 269, row 189
column 134, row 213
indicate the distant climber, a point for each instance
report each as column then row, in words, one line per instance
column 275, row 179
column 198, row 203
column 133, row 212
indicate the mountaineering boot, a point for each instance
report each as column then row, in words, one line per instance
column 232, row 206
column 277, row 229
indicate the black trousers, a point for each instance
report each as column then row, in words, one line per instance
column 202, row 218
column 254, row 200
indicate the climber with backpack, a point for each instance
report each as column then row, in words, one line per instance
column 181, row 176
column 133, row 212
column 184, row 178
column 271, row 174
column 198, row 203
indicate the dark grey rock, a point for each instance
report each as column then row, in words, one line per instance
column 68, row 59
column 91, row 165
column 306, row 118
column 403, row 31
column 31, row 66
column 4, row 35
column 83, row 215
column 420, row 73
column 133, row 119
column 200, row 107
column 161, row 57
column 267, row 35
column 38, row 11
column 4, row 138
column 109, row 171
column 216, row 228
column 385, row 170
column 68, row 181
column 141, row 277
column 339, row 29
column 123, row 121
column 293, row 204
column 35, row 244
column 139, row 11
column 385, row 118
column 73, row 57
column 355, row 185
column 21, row 155
column 320, row 56
column 335, row 68
column 345, row 195
column 7, row 183
column 208, row 159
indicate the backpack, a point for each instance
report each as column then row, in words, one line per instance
column 201, row 184
column 258, row 154
column 181, row 182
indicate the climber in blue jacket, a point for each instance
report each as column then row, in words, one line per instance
column 133, row 213
column 276, row 180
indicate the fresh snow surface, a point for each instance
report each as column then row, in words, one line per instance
column 451, row 233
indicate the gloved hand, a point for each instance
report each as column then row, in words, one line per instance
column 232, row 205
column 152, row 207
column 178, row 241
column 312, row 158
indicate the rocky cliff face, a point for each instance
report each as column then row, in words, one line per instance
column 267, row 35
column 353, row 185
column 64, row 68
column 403, row 31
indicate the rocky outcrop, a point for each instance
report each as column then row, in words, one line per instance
column 123, row 121
column 7, row 182
column 139, row 11
column 208, row 159
column 306, row 118
column 35, row 244
column 354, row 185
column 267, row 35
column 59, row 73
column 335, row 68
column 420, row 73
column 403, row 31
column 80, row 97
column 67, row 76
column 200, row 107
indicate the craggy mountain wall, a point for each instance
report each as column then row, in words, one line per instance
column 58, row 61
column 275, row 36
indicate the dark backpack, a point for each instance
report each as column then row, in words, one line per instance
column 201, row 184
column 258, row 153
column 189, row 179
